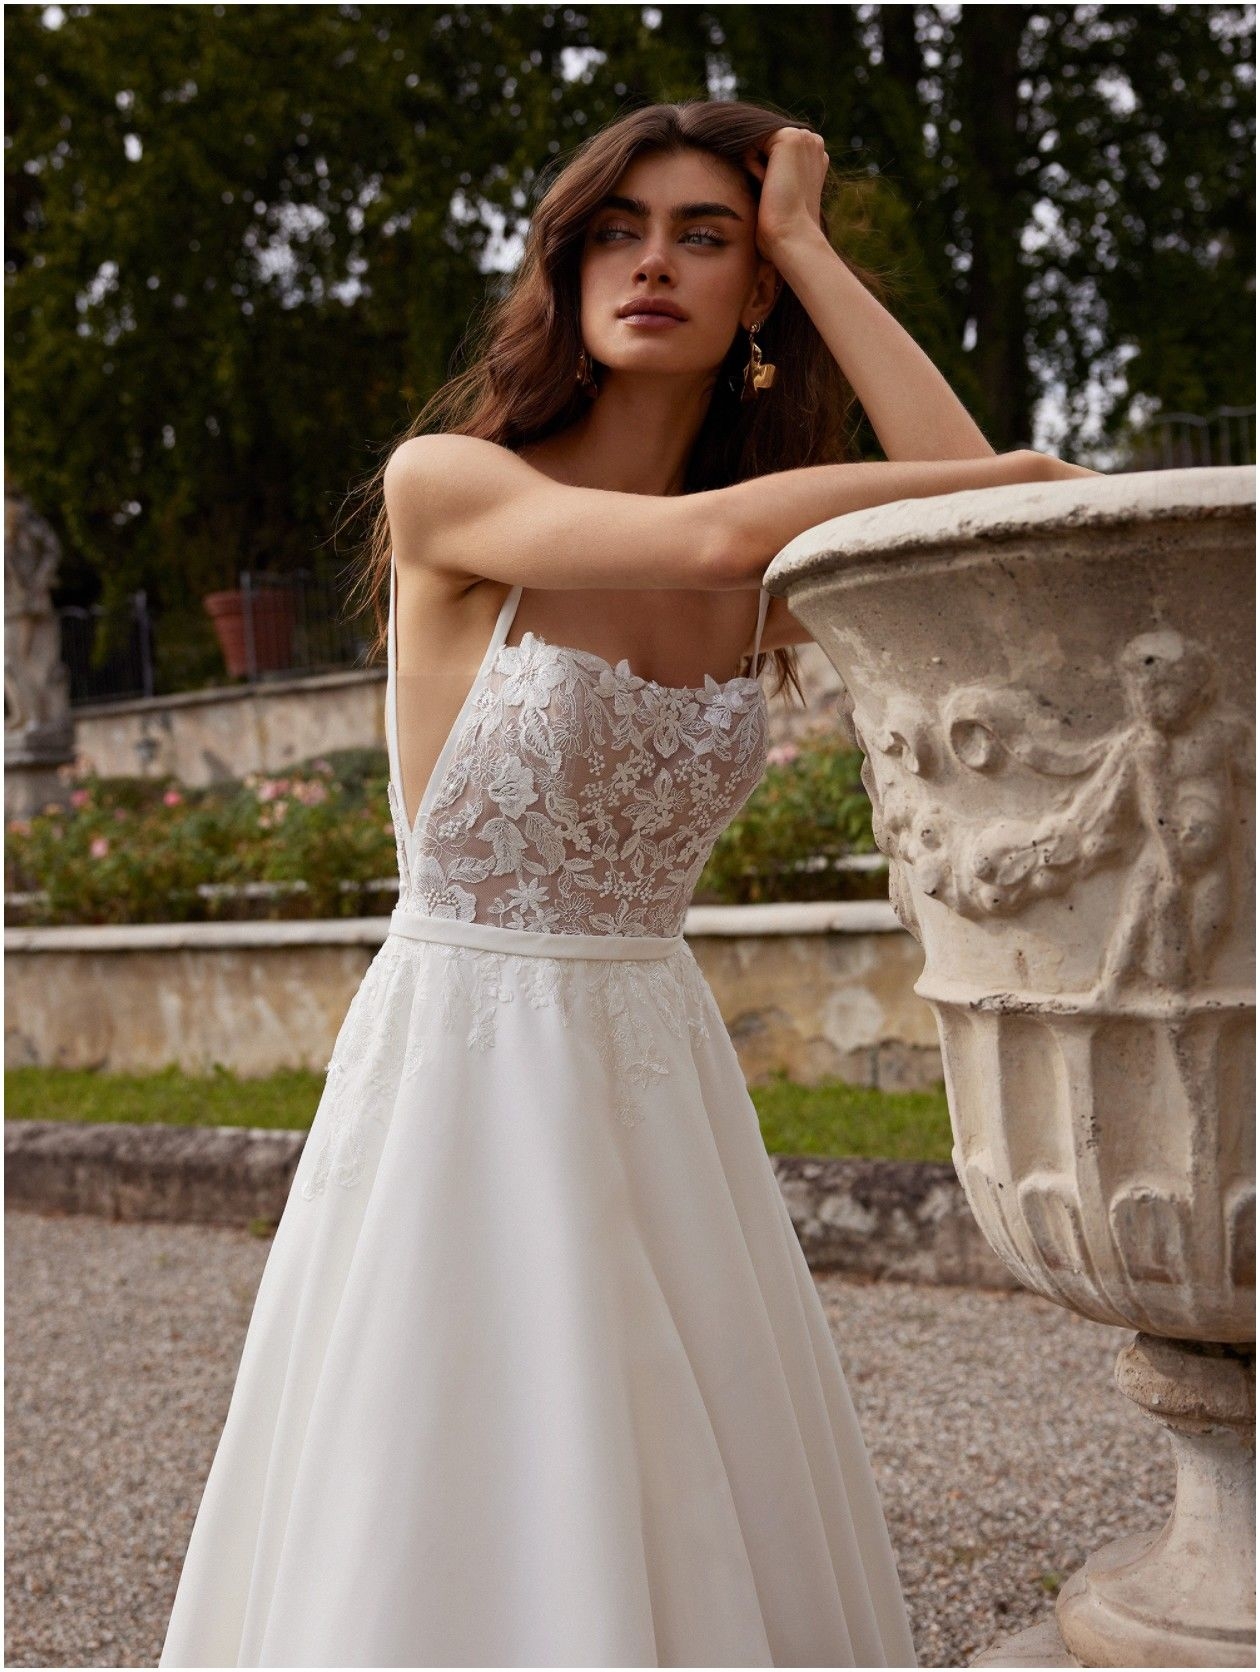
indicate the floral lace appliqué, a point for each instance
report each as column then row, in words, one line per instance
column 580, row 798
column 415, row 992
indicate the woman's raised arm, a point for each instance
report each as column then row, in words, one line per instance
column 472, row 508
column 759, row 516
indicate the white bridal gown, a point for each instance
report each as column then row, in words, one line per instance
column 537, row 1374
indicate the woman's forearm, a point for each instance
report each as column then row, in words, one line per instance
column 912, row 409
column 751, row 521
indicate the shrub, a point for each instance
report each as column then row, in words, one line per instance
column 144, row 851
column 808, row 811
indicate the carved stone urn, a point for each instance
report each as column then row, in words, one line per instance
column 1053, row 687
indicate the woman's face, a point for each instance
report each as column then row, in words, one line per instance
column 679, row 228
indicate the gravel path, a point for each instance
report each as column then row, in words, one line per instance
column 1004, row 1453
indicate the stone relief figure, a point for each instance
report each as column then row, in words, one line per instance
column 37, row 716
column 1188, row 755
column 1158, row 792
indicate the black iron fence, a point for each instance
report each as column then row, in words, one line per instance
column 272, row 625
column 1184, row 440
column 108, row 655
column 1178, row 441
column 267, row 627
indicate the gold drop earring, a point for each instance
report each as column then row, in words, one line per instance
column 758, row 373
column 585, row 377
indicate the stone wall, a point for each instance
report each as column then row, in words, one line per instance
column 204, row 737
column 816, row 990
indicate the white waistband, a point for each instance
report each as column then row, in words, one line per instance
column 536, row 943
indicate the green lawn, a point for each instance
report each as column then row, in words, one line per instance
column 828, row 1119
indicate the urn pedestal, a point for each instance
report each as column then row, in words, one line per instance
column 1053, row 687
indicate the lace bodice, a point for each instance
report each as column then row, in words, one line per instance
column 571, row 795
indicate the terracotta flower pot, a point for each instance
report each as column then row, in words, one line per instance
column 266, row 613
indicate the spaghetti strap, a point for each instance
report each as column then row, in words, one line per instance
column 391, row 690
column 762, row 606
column 502, row 627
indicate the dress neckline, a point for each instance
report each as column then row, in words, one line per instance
column 498, row 641
column 623, row 670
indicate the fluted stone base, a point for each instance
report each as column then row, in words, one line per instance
column 1039, row 1645
column 1183, row 1595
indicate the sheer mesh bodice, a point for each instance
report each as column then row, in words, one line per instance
column 571, row 795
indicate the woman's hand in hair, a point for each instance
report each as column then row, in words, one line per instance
column 791, row 164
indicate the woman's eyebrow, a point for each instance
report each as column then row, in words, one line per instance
column 680, row 211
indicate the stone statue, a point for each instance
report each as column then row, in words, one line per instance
column 38, row 726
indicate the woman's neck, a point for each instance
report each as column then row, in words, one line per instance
column 636, row 437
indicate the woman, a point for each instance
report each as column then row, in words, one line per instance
column 537, row 1373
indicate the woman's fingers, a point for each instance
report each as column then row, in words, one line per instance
column 757, row 155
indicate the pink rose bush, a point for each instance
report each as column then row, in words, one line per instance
column 128, row 850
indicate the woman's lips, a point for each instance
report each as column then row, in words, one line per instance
column 651, row 320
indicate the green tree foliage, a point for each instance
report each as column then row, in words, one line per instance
column 233, row 261
column 245, row 241
column 1074, row 187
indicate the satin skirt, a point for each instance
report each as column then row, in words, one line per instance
column 537, row 1374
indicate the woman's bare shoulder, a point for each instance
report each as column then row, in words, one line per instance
column 433, row 483
column 447, row 463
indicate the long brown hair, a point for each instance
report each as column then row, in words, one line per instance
column 519, row 384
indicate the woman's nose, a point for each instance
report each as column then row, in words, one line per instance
column 655, row 263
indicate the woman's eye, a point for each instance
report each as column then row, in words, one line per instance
column 606, row 234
